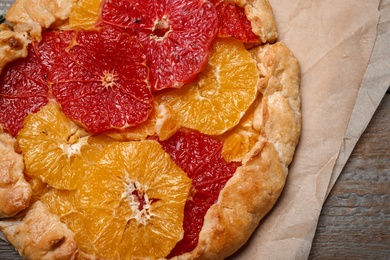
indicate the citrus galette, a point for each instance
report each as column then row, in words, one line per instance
column 142, row 129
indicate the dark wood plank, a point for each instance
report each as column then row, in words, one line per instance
column 355, row 220
column 7, row 252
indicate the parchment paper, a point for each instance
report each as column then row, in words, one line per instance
column 334, row 41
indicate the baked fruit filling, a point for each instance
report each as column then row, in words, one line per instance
column 133, row 116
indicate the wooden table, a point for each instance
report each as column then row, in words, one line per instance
column 355, row 220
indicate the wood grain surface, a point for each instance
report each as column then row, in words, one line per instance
column 355, row 219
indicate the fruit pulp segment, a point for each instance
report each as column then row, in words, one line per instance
column 85, row 14
column 223, row 93
column 193, row 152
column 177, row 35
column 23, row 90
column 53, row 151
column 100, row 79
column 131, row 203
column 233, row 22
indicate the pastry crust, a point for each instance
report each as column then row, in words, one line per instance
column 248, row 195
column 13, row 45
column 42, row 14
column 40, row 235
column 15, row 192
column 261, row 16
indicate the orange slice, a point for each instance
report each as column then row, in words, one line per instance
column 224, row 91
column 84, row 14
column 131, row 204
column 240, row 140
column 55, row 149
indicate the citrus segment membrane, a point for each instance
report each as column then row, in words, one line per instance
column 200, row 157
column 225, row 90
column 85, row 14
column 55, row 149
column 176, row 34
column 100, row 79
column 130, row 205
column 239, row 141
column 233, row 22
column 23, row 90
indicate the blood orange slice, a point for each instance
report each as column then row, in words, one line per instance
column 100, row 79
column 233, row 22
column 177, row 35
column 23, row 90
column 200, row 157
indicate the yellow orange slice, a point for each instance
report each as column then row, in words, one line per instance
column 240, row 140
column 130, row 205
column 84, row 14
column 225, row 90
column 55, row 149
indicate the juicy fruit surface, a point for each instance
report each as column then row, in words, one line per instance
column 85, row 14
column 141, row 203
column 220, row 97
column 240, row 140
column 101, row 81
column 200, row 157
column 177, row 35
column 99, row 77
column 23, row 90
column 233, row 22
column 53, row 152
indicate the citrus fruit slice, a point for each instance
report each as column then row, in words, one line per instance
column 55, row 149
column 130, row 206
column 239, row 141
column 176, row 34
column 200, row 157
column 100, row 79
column 84, row 14
column 233, row 22
column 167, row 122
column 224, row 91
column 23, row 90
column 163, row 121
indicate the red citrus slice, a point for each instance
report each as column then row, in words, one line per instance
column 193, row 152
column 233, row 22
column 177, row 35
column 23, row 90
column 100, row 79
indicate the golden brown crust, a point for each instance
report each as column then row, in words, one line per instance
column 15, row 192
column 278, row 115
column 26, row 16
column 13, row 45
column 40, row 235
column 261, row 16
column 255, row 187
